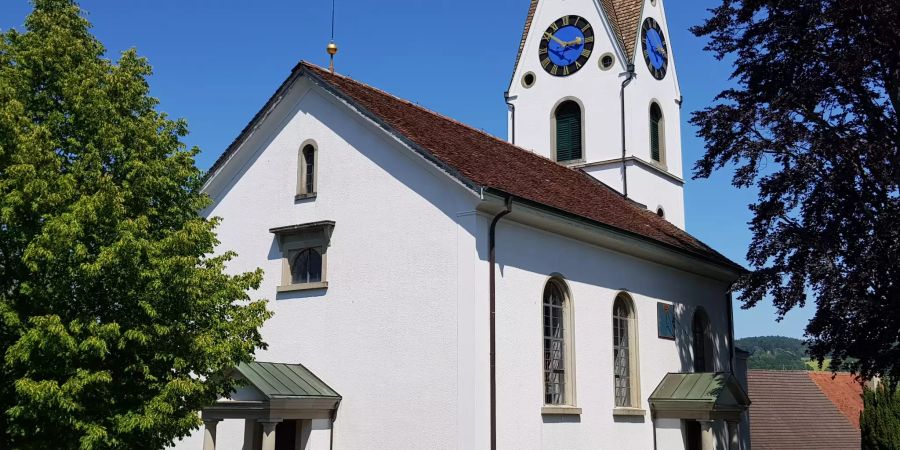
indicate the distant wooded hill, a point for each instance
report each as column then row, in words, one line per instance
column 777, row 353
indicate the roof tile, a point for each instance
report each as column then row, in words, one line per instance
column 494, row 163
column 789, row 412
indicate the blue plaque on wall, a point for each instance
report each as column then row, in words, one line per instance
column 665, row 318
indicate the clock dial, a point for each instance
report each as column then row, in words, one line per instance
column 656, row 51
column 566, row 46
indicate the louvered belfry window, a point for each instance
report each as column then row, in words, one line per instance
column 568, row 132
column 656, row 132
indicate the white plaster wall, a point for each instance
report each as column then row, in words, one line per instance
column 526, row 258
column 599, row 93
column 648, row 187
column 384, row 334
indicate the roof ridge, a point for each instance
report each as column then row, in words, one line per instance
column 457, row 122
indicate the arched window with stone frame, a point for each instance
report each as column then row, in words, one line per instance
column 625, row 353
column 558, row 358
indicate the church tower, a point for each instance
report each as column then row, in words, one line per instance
column 595, row 88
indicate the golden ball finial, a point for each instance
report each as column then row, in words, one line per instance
column 332, row 48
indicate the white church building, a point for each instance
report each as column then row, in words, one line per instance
column 434, row 287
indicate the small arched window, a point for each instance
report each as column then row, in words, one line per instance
column 568, row 132
column 624, row 353
column 306, row 266
column 661, row 212
column 307, row 179
column 558, row 367
column 657, row 133
column 700, row 341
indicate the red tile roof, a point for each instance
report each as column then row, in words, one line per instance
column 625, row 17
column 844, row 390
column 790, row 412
column 528, row 20
column 484, row 161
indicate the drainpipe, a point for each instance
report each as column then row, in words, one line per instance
column 629, row 75
column 512, row 121
column 492, row 260
column 730, row 334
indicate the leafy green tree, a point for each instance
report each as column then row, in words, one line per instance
column 880, row 420
column 115, row 320
column 812, row 123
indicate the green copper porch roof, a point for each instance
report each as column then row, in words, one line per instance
column 285, row 381
column 690, row 394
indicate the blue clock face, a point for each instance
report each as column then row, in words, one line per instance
column 656, row 52
column 566, row 45
column 654, row 43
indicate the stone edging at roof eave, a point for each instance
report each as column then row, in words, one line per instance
column 725, row 263
column 254, row 122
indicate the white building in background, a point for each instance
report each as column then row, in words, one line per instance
column 434, row 287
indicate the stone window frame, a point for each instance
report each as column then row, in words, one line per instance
column 294, row 238
column 303, row 192
column 634, row 407
column 553, row 137
column 569, row 404
column 661, row 134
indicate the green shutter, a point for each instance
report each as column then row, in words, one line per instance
column 655, row 117
column 568, row 132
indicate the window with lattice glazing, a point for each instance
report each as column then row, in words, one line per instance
column 554, row 345
column 622, row 348
column 568, row 132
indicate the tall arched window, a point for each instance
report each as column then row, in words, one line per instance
column 558, row 367
column 568, row 131
column 657, row 133
column 306, row 186
column 700, row 342
column 624, row 353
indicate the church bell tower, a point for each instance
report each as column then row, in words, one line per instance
column 595, row 88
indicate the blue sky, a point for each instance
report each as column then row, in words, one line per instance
column 217, row 61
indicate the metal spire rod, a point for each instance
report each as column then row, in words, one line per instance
column 332, row 47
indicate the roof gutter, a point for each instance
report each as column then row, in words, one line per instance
column 492, row 262
column 733, row 267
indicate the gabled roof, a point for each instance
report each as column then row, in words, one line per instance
column 789, row 411
column 285, row 381
column 484, row 162
column 624, row 16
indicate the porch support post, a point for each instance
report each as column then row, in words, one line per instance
column 209, row 433
column 268, row 434
column 708, row 437
column 734, row 436
column 250, row 437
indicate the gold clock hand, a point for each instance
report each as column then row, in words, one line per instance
column 558, row 40
column 662, row 51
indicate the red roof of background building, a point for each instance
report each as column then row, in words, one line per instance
column 844, row 390
column 791, row 412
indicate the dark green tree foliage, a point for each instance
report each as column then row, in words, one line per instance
column 114, row 324
column 880, row 420
column 812, row 122
column 774, row 353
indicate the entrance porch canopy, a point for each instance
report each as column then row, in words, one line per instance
column 699, row 396
column 276, row 391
